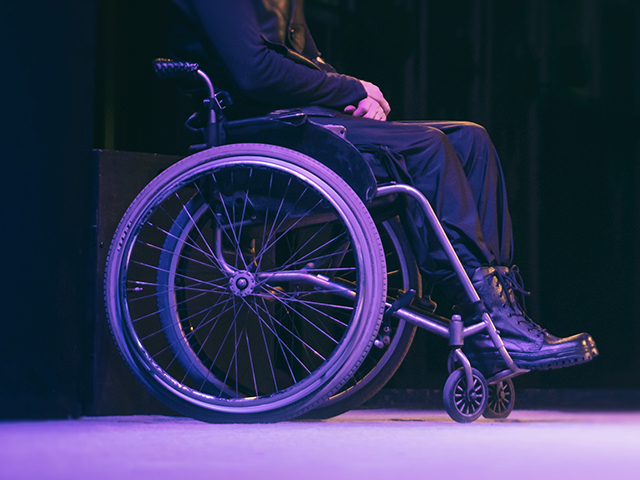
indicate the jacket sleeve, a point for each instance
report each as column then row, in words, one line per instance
column 232, row 30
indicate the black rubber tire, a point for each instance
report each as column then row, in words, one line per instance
column 380, row 365
column 502, row 399
column 458, row 405
column 240, row 184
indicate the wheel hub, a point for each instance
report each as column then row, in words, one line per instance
column 242, row 284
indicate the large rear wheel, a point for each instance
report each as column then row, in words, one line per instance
column 245, row 284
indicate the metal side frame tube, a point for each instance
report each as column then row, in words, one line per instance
column 457, row 267
column 431, row 324
column 325, row 283
column 212, row 93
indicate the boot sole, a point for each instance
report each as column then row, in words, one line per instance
column 493, row 362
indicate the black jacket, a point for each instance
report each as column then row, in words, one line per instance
column 261, row 52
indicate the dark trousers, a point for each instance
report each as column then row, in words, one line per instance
column 456, row 167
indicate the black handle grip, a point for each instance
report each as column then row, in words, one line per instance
column 165, row 68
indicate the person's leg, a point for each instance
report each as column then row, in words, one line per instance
column 454, row 164
column 500, row 286
column 426, row 159
column 484, row 172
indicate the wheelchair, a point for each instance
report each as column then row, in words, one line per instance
column 268, row 277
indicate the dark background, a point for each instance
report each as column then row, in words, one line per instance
column 555, row 82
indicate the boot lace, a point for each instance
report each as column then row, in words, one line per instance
column 512, row 284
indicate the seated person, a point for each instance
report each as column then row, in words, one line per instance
column 262, row 53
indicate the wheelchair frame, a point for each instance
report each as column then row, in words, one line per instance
column 466, row 391
column 455, row 331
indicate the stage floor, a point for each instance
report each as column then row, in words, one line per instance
column 362, row 444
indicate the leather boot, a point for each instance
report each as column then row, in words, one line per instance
column 530, row 346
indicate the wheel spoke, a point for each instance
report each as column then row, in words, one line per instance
column 203, row 343
column 236, row 240
column 175, row 237
column 272, row 242
column 266, row 240
column 298, row 338
column 280, row 342
column 305, row 258
column 326, row 315
column 192, row 333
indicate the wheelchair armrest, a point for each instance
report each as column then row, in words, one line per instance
column 292, row 129
column 294, row 116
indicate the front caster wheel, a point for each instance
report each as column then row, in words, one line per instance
column 461, row 405
column 502, row 398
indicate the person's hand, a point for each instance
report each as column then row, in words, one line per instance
column 374, row 106
column 374, row 92
column 367, row 108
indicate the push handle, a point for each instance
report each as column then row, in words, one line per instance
column 213, row 104
column 165, row 68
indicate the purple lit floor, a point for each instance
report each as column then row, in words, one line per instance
column 364, row 444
